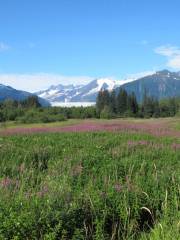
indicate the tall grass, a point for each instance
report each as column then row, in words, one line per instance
column 89, row 186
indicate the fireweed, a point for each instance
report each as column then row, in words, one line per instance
column 90, row 185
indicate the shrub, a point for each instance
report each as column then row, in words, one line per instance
column 106, row 113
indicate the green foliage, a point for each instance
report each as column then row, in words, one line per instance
column 31, row 102
column 30, row 111
column 103, row 99
column 106, row 113
column 113, row 103
column 89, row 186
column 132, row 105
column 122, row 101
column 40, row 115
column 109, row 105
column 169, row 107
column 123, row 104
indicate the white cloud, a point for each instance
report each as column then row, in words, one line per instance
column 172, row 53
column 174, row 62
column 40, row 81
column 4, row 47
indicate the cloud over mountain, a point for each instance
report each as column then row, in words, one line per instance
column 39, row 81
column 172, row 53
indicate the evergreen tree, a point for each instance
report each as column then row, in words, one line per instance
column 147, row 105
column 113, row 102
column 103, row 99
column 106, row 113
column 172, row 106
column 156, row 110
column 122, row 101
column 31, row 101
column 132, row 105
column 123, row 104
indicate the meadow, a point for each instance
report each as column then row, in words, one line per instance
column 117, row 179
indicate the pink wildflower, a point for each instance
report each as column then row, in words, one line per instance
column 6, row 182
column 175, row 146
column 43, row 192
column 118, row 187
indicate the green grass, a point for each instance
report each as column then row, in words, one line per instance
column 173, row 122
column 12, row 124
column 89, row 186
column 176, row 123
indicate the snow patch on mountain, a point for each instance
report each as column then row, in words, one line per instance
column 103, row 83
column 80, row 93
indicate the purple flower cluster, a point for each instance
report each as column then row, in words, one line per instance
column 118, row 187
column 137, row 143
column 43, row 191
column 77, row 170
column 156, row 128
column 131, row 144
column 8, row 182
column 175, row 146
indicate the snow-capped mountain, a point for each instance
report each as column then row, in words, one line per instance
column 161, row 84
column 57, row 95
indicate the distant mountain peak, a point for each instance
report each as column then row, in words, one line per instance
column 164, row 72
column 160, row 84
column 167, row 74
column 79, row 93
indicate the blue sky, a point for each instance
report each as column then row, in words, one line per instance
column 64, row 41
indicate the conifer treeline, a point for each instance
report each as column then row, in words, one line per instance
column 109, row 105
column 121, row 104
column 31, row 111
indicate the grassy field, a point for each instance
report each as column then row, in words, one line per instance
column 90, row 185
column 11, row 124
column 171, row 122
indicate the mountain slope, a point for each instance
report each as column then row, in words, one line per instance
column 79, row 93
column 59, row 93
column 11, row 93
column 162, row 84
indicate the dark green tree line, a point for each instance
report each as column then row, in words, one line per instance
column 121, row 104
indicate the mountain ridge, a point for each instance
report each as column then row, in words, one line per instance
column 80, row 93
column 162, row 84
column 8, row 92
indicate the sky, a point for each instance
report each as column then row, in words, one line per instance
column 45, row 42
